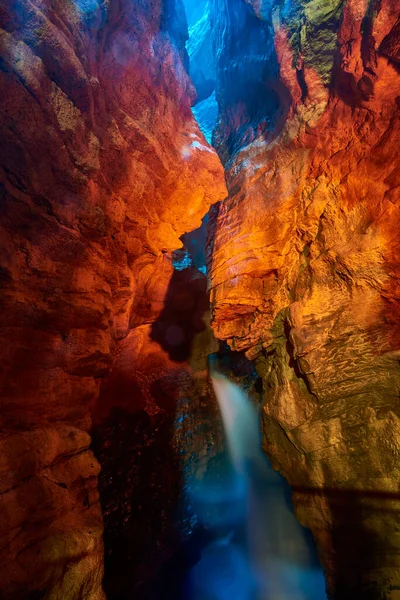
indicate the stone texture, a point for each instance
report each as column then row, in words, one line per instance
column 202, row 56
column 156, row 426
column 304, row 260
column 102, row 169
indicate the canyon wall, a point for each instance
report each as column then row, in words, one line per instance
column 102, row 169
column 304, row 261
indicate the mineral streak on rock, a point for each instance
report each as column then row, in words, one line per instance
column 304, row 267
column 102, row 169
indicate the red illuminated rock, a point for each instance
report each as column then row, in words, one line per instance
column 102, row 168
column 305, row 270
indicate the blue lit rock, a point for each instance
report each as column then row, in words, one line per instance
column 201, row 56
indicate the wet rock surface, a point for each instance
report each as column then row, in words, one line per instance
column 304, row 263
column 99, row 161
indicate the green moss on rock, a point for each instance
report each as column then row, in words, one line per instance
column 313, row 27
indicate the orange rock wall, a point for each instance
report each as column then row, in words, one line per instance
column 102, row 168
column 305, row 274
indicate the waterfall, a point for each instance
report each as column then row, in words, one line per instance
column 260, row 550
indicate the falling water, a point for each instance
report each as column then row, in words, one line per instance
column 260, row 550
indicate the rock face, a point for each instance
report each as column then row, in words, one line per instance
column 156, row 424
column 102, row 169
column 202, row 56
column 305, row 262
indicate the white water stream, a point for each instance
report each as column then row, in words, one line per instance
column 261, row 551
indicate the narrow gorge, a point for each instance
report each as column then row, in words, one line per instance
column 188, row 188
